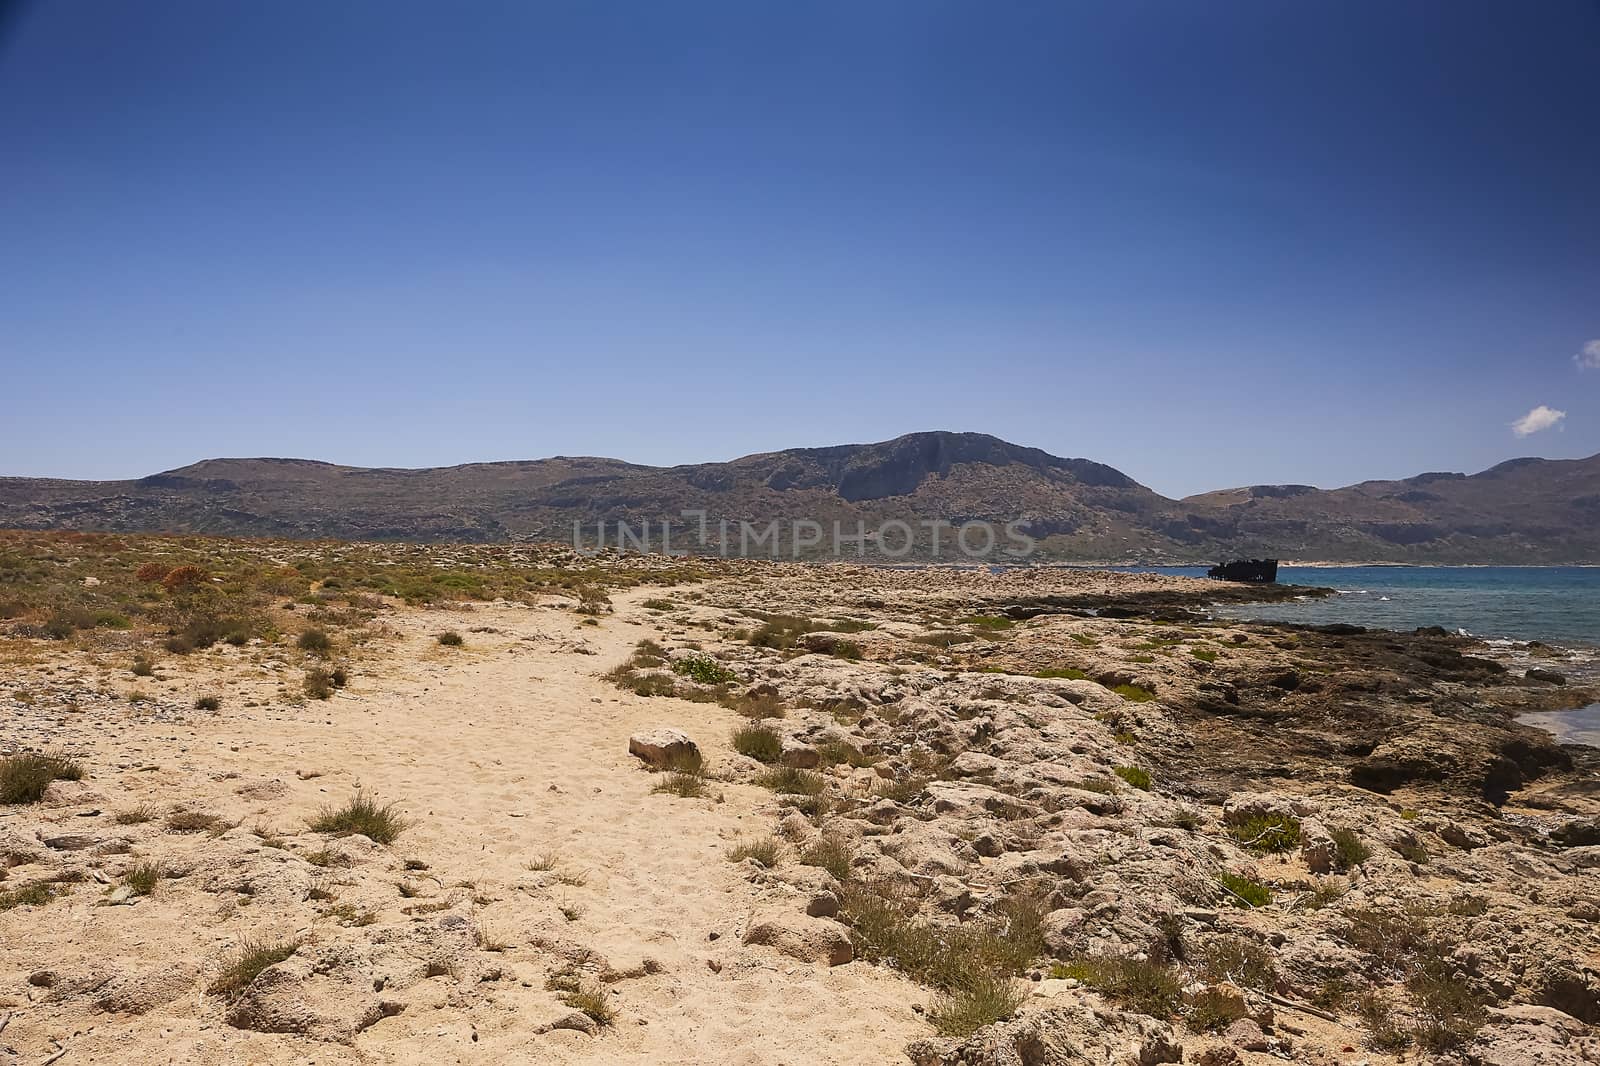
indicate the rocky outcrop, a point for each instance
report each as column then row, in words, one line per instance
column 1077, row 1034
column 801, row 936
column 1255, row 571
column 292, row 997
column 663, row 748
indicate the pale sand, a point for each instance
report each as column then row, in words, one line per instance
column 507, row 748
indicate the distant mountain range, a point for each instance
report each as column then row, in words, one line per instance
column 1522, row 511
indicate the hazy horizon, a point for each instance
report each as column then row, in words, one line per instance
column 1209, row 246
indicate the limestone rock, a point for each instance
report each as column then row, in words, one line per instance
column 802, row 937
column 1062, row 1034
column 1317, row 847
column 799, row 754
column 577, row 1021
column 291, row 997
column 662, row 747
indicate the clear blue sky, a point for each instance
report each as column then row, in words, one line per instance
column 1208, row 243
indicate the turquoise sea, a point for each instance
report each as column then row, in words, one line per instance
column 1554, row 604
column 1507, row 606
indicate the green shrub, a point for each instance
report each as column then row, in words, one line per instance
column 1267, row 833
column 1068, row 673
column 1244, row 891
column 195, row 822
column 592, row 999
column 681, row 783
column 990, row 622
column 361, row 817
column 35, row 895
column 1414, row 852
column 1377, row 1017
column 142, row 878
column 1134, row 693
column 1205, row 655
column 451, row 639
column 953, row 958
column 901, row 790
column 1448, row 1011
column 1134, row 776
column 758, row 742
column 834, row 752
column 1243, row 962
column 704, row 669
column 1352, row 852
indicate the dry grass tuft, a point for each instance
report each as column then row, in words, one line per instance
column 194, row 821
column 788, row 780
column 758, row 742
column 832, row 852
column 766, row 851
column 24, row 778
column 361, row 817
column 983, row 1000
column 592, row 999
column 254, row 956
column 142, row 878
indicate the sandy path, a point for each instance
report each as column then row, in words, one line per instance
column 508, row 748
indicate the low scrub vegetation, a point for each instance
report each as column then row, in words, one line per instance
column 24, row 778
column 788, row 780
column 361, row 817
column 142, row 877
column 1134, row 776
column 1351, row 850
column 704, row 670
column 972, row 963
column 758, row 742
column 983, row 1000
column 831, row 852
column 1244, row 891
column 766, row 851
column 1142, row 985
column 1267, row 833
column 195, row 822
column 252, row 957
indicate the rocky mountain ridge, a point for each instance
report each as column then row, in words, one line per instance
column 1521, row 511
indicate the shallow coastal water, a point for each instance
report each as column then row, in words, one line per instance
column 1554, row 604
column 1581, row 726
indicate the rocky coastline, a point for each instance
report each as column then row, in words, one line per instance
column 1030, row 818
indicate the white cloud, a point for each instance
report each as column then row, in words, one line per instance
column 1589, row 357
column 1539, row 418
